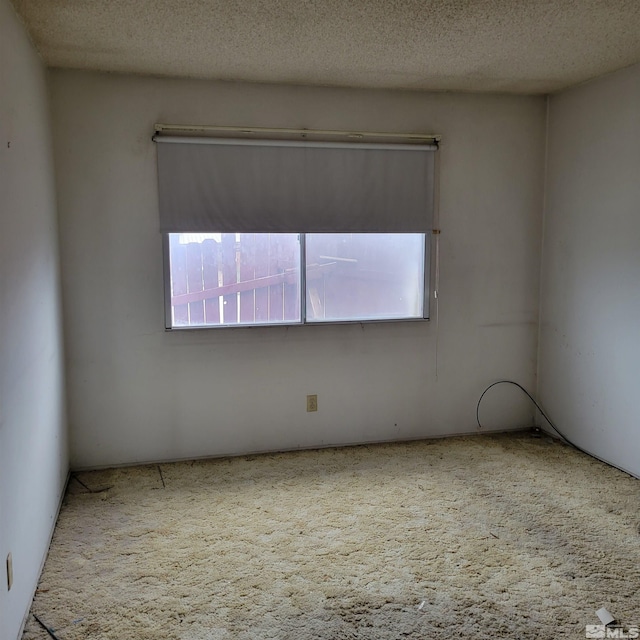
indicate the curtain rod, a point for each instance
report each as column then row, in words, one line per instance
column 174, row 129
column 324, row 144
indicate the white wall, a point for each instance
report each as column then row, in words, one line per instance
column 141, row 394
column 590, row 321
column 33, row 444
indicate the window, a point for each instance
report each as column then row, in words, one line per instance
column 221, row 279
column 286, row 232
column 364, row 276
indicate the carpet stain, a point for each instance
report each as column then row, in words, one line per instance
column 504, row 536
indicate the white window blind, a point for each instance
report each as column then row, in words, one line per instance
column 274, row 186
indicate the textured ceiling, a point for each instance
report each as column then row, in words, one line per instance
column 524, row 46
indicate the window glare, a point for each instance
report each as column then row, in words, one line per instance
column 234, row 279
column 364, row 276
column 221, row 279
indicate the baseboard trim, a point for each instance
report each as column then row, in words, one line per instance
column 555, row 436
column 45, row 555
column 335, row 445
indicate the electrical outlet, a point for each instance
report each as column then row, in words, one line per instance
column 312, row 403
column 9, row 572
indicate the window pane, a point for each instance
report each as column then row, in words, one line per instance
column 364, row 276
column 234, row 278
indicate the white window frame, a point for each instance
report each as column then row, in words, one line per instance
column 428, row 271
column 206, row 208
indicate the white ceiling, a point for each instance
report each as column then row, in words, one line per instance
column 523, row 46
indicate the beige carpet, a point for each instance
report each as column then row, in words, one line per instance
column 480, row 537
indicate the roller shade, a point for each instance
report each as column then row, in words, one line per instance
column 225, row 185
